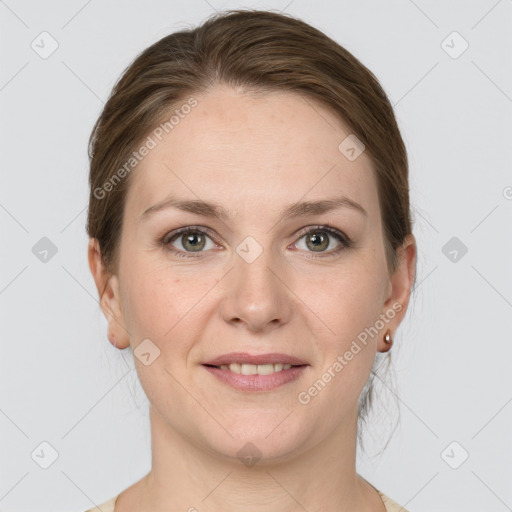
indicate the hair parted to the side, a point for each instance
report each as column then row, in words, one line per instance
column 258, row 52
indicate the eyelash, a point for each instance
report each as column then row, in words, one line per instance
column 166, row 240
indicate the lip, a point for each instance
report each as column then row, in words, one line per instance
column 256, row 382
column 245, row 358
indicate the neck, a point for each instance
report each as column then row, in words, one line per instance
column 185, row 476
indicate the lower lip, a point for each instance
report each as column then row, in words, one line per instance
column 256, row 382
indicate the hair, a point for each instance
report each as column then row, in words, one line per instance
column 261, row 52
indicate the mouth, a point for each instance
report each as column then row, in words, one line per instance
column 264, row 372
column 255, row 369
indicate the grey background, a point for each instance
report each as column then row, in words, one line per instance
column 64, row 384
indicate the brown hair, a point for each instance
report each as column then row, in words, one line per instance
column 261, row 51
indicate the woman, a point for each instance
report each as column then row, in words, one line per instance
column 250, row 239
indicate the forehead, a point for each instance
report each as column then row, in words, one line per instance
column 235, row 146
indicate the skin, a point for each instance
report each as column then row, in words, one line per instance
column 254, row 155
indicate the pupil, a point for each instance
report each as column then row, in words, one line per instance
column 317, row 240
column 194, row 241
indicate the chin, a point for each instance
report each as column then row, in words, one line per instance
column 260, row 441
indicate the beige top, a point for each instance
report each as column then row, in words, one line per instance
column 390, row 505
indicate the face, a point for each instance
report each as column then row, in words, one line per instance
column 255, row 281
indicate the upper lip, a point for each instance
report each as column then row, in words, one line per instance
column 245, row 358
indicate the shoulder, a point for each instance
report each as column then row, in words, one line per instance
column 107, row 506
column 391, row 506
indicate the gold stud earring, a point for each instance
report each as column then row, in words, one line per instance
column 388, row 341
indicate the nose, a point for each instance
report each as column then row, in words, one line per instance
column 257, row 294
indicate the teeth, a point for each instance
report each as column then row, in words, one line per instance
column 255, row 369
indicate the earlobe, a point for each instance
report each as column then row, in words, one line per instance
column 401, row 282
column 109, row 297
column 388, row 341
column 111, row 302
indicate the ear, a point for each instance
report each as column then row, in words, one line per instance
column 108, row 289
column 397, row 300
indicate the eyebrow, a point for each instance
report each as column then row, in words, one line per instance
column 292, row 211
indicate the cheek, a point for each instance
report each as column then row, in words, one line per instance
column 162, row 305
column 153, row 299
column 345, row 300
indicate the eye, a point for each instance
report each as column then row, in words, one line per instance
column 192, row 242
column 187, row 241
column 320, row 238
